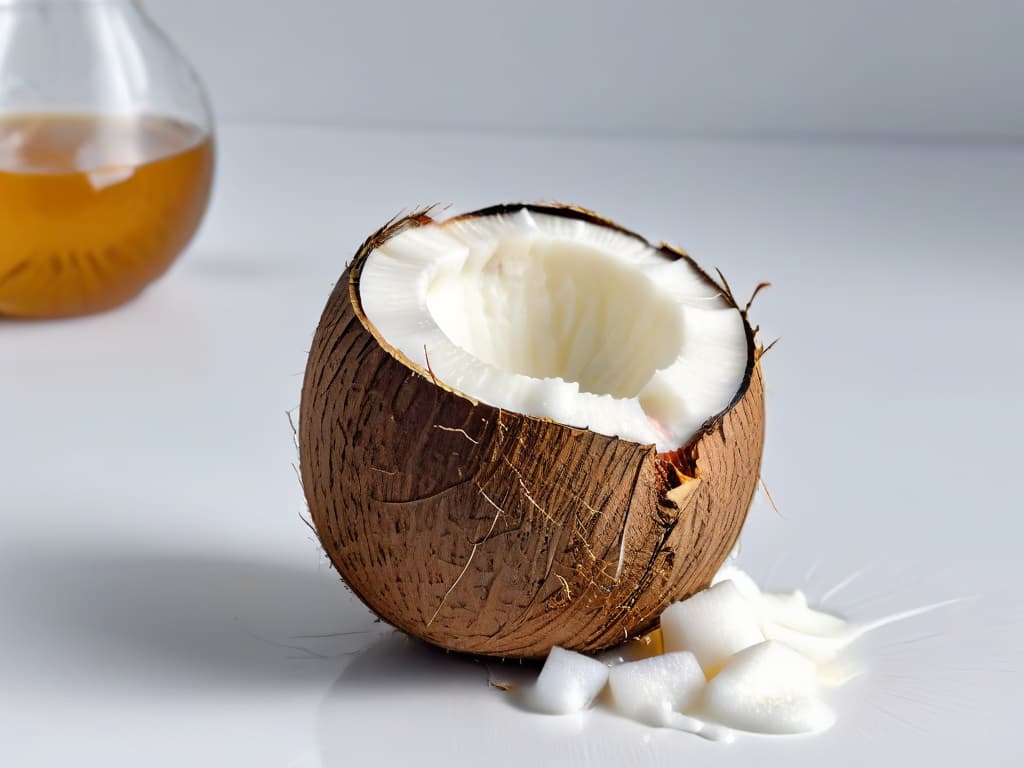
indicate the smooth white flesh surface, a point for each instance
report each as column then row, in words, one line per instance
column 569, row 682
column 651, row 690
column 767, row 688
column 553, row 317
column 713, row 625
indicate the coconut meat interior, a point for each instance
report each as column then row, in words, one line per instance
column 560, row 318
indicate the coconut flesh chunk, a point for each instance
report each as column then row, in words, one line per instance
column 713, row 624
column 569, row 682
column 560, row 318
column 768, row 688
column 651, row 690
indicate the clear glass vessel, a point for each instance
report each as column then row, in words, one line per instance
column 106, row 155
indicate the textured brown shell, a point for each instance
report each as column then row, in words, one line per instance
column 499, row 534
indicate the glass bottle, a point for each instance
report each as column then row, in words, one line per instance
column 106, row 155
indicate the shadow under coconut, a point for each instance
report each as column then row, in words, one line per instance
column 402, row 701
column 178, row 619
column 397, row 664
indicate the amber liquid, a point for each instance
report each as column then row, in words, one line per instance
column 94, row 208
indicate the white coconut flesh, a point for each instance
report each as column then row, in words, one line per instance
column 550, row 316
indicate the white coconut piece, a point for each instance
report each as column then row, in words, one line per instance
column 713, row 625
column 569, row 682
column 558, row 317
column 767, row 688
column 652, row 689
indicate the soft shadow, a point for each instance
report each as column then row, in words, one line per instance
column 401, row 702
column 397, row 664
column 179, row 619
column 436, row 701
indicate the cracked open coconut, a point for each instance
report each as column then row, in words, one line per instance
column 526, row 427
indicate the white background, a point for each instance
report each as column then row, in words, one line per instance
column 875, row 69
column 157, row 586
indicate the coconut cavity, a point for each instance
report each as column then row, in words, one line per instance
column 562, row 318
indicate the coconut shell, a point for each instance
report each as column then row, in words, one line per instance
column 493, row 533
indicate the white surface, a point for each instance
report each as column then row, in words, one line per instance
column 944, row 69
column 155, row 575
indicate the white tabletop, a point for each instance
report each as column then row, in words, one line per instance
column 158, row 586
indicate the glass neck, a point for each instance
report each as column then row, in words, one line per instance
column 110, row 58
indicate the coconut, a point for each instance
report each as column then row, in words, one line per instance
column 528, row 427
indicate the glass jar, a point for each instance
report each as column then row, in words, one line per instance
column 106, row 155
